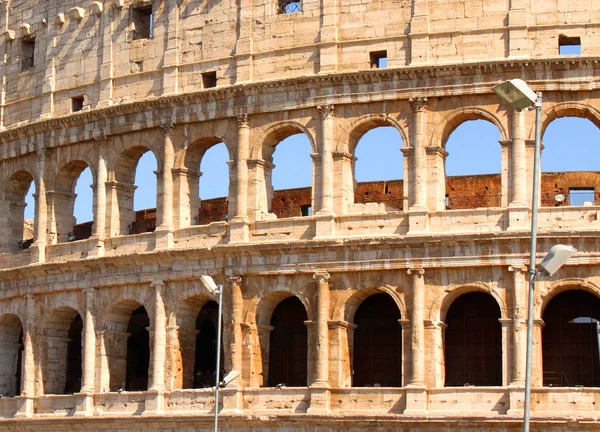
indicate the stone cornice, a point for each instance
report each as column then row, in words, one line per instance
column 422, row 82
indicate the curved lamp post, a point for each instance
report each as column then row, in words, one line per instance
column 517, row 94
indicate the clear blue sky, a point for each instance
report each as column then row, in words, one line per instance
column 571, row 144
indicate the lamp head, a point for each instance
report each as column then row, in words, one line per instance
column 556, row 258
column 229, row 377
column 209, row 284
column 516, row 93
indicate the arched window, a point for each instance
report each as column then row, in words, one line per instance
column 206, row 346
column 17, row 231
column 138, row 351
column 83, row 211
column 473, row 166
column 288, row 344
column 570, row 340
column 377, row 352
column 379, row 168
column 11, row 355
column 214, row 184
column 74, row 359
column 473, row 341
column 570, row 178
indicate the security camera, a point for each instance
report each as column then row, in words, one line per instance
column 556, row 258
column 209, row 284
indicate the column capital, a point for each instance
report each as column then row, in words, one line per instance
column 321, row 276
column 242, row 120
column 101, row 138
column 418, row 103
column 522, row 269
column 326, row 111
column 158, row 284
column 235, row 279
column 168, row 127
column 418, row 271
column 42, row 153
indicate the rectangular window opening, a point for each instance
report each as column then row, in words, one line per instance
column 209, row 79
column 378, row 59
column 306, row 210
column 569, row 45
column 288, row 6
column 581, row 196
column 143, row 23
column 27, row 52
column 77, row 103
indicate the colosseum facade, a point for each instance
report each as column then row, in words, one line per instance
column 382, row 314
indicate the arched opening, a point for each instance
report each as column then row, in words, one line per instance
column 61, row 202
column 62, row 351
column 570, row 340
column 214, row 184
column 84, row 201
column 570, row 178
column 286, row 177
column 379, row 168
column 473, row 341
column 138, row 351
column 288, row 344
column 473, row 166
column 19, row 209
column 11, row 355
column 206, row 346
column 377, row 347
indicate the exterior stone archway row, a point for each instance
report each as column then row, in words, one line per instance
column 333, row 132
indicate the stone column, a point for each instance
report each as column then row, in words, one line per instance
column 25, row 404
column 160, row 338
column 419, row 200
column 418, row 329
column 519, row 161
column 239, row 224
column 507, row 350
column 328, row 37
column 41, row 208
column 237, row 316
column 89, row 342
column 171, row 52
column 518, row 38
column 323, row 301
column 536, row 354
column 326, row 150
column 435, row 376
column 165, row 224
column 101, row 179
column 419, row 33
column 520, row 291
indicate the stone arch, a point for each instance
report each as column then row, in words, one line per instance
column 360, row 126
column 567, row 109
column 347, row 304
column 262, row 305
column 562, row 286
column 276, row 133
column 61, row 336
column 442, row 303
column 450, row 122
column 11, row 354
column 15, row 188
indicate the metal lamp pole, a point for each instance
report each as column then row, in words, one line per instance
column 218, row 365
column 532, row 265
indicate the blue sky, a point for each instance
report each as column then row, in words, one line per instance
column 571, row 144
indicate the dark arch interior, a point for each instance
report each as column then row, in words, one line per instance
column 570, row 350
column 288, row 347
column 473, row 341
column 73, row 380
column 18, row 370
column 377, row 358
column 138, row 351
column 206, row 346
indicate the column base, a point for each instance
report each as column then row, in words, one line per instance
column 418, row 221
column 24, row 406
column 155, row 400
column 516, row 400
column 164, row 239
column 518, row 218
column 38, row 253
column 85, row 405
column 416, row 399
column 96, row 249
column 232, row 400
column 239, row 230
column 324, row 224
column 320, row 399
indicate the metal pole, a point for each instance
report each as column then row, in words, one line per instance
column 218, row 366
column 532, row 264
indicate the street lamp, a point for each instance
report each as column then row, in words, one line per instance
column 213, row 288
column 517, row 94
